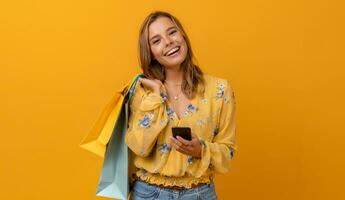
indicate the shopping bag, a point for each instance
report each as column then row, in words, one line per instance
column 114, row 180
column 97, row 139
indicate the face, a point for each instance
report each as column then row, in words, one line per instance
column 167, row 43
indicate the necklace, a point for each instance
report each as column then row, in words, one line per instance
column 176, row 97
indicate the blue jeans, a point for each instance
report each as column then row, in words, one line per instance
column 145, row 191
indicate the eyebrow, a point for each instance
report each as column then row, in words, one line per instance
column 166, row 30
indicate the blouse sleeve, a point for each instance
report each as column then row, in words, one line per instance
column 147, row 119
column 220, row 151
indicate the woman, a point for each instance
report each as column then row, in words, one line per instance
column 174, row 93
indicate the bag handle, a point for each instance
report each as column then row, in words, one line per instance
column 133, row 86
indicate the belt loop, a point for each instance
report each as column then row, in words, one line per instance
column 158, row 191
column 198, row 193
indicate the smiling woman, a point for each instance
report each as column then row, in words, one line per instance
column 175, row 92
column 163, row 32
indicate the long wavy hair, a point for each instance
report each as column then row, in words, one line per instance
column 193, row 80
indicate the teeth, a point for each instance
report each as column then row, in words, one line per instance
column 172, row 50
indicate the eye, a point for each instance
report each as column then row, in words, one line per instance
column 155, row 41
column 172, row 32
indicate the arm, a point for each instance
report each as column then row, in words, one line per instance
column 148, row 117
column 220, row 151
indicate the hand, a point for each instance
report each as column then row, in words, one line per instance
column 153, row 84
column 192, row 147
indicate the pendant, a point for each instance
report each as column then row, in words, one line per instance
column 176, row 97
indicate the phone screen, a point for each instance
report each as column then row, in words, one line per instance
column 184, row 132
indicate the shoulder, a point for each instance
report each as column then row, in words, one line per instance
column 219, row 90
column 216, row 83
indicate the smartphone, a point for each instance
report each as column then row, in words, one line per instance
column 183, row 132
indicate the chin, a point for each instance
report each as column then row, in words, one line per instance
column 174, row 62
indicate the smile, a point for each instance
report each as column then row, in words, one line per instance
column 173, row 51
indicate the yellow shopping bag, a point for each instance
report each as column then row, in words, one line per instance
column 97, row 139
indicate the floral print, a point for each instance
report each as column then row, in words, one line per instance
column 204, row 100
column 170, row 112
column 200, row 122
column 164, row 96
column 220, row 90
column 185, row 113
column 209, row 116
column 191, row 108
column 226, row 99
column 164, row 122
column 146, row 121
column 231, row 154
column 164, row 148
column 189, row 159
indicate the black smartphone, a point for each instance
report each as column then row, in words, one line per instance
column 183, row 132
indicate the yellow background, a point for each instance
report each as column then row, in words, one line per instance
column 61, row 62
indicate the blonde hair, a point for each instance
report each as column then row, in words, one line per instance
column 193, row 80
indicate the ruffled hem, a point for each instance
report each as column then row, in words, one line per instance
column 185, row 181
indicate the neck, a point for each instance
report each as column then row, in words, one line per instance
column 173, row 75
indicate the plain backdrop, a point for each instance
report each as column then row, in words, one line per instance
column 62, row 61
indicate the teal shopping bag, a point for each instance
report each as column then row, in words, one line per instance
column 114, row 180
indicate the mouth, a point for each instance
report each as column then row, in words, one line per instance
column 174, row 51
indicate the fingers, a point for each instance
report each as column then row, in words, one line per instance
column 158, row 81
column 179, row 149
column 183, row 141
column 179, row 146
column 192, row 147
column 144, row 80
column 178, row 142
column 150, row 83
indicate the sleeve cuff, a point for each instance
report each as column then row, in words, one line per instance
column 205, row 159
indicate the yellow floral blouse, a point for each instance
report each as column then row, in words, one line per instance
column 210, row 116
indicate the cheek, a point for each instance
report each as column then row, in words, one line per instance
column 183, row 43
column 185, row 49
column 180, row 38
column 155, row 52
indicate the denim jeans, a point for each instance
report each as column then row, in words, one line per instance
column 145, row 191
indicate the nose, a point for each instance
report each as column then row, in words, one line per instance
column 168, row 41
